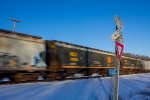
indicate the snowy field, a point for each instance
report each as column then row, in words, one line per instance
column 132, row 87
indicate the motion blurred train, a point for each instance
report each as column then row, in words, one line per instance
column 26, row 57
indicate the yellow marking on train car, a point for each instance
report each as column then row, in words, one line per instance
column 74, row 59
column 109, row 60
column 12, row 63
column 96, row 67
column 125, row 61
column 74, row 54
column 52, row 45
column 130, row 67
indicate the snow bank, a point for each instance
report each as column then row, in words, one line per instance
column 131, row 87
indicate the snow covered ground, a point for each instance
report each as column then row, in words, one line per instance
column 132, row 87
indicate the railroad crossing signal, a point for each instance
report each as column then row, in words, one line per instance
column 118, row 32
column 117, row 37
column 118, row 22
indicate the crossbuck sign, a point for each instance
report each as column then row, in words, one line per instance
column 119, row 25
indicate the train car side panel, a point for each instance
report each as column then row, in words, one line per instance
column 20, row 52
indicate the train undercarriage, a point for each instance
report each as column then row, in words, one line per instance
column 22, row 76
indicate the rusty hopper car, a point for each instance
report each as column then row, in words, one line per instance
column 20, row 53
column 99, row 61
column 65, row 56
column 131, row 65
column 71, row 58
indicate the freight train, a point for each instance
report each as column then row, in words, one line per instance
column 26, row 57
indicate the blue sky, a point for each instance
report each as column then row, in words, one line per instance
column 84, row 22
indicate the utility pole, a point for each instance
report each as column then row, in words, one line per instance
column 117, row 37
column 14, row 21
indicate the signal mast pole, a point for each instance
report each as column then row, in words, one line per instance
column 14, row 21
column 116, row 78
column 117, row 37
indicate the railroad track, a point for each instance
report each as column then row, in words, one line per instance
column 49, row 80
